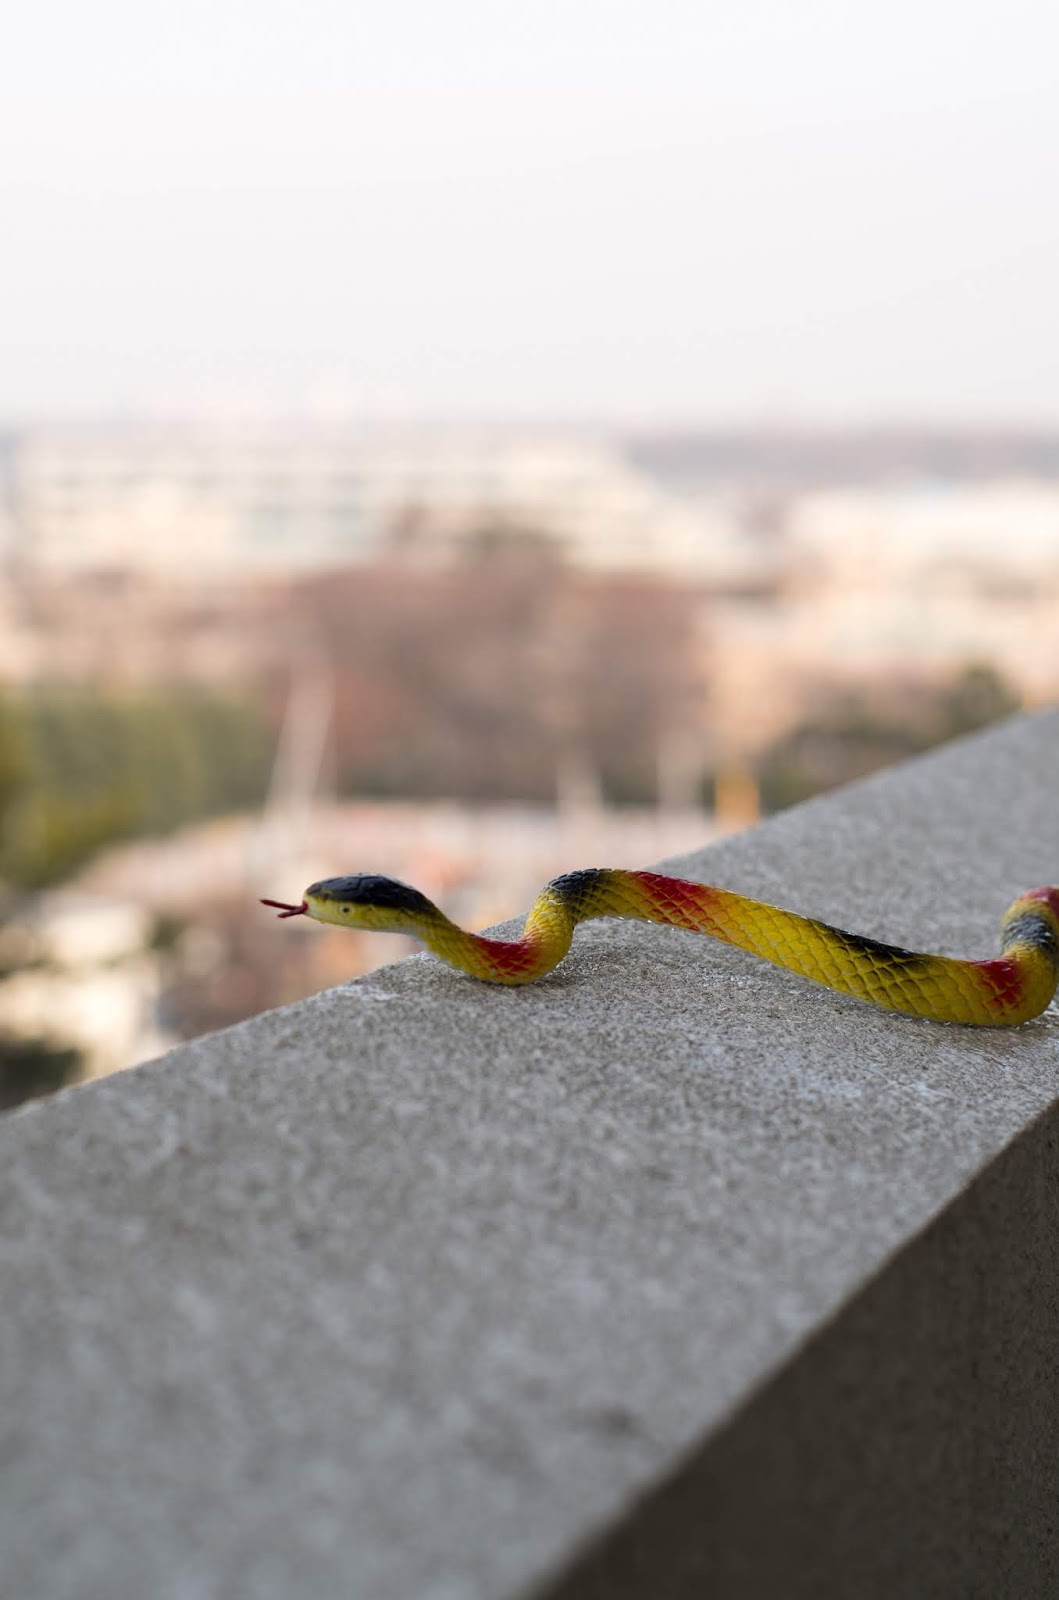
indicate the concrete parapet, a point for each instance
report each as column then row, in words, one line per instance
column 671, row 1276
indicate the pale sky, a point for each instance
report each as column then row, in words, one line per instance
column 644, row 212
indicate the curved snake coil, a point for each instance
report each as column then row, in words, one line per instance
column 1010, row 988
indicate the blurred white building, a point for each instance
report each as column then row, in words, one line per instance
column 205, row 505
column 883, row 586
column 933, row 576
column 990, row 538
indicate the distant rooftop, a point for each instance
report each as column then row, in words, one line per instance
column 796, row 458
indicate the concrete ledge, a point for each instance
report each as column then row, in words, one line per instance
column 909, row 1449
column 671, row 1276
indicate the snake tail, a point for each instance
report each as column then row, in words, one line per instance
column 1010, row 988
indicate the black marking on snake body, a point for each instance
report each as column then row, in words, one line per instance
column 371, row 889
column 575, row 889
column 907, row 961
column 1032, row 928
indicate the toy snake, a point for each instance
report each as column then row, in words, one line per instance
column 1011, row 988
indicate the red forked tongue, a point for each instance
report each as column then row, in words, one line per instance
column 286, row 910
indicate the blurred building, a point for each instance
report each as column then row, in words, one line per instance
column 144, row 555
column 208, row 505
column 999, row 536
column 938, row 575
column 890, row 587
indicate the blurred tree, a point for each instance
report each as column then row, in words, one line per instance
column 980, row 695
column 475, row 683
column 85, row 768
column 12, row 754
column 856, row 733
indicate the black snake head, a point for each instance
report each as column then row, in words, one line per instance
column 368, row 900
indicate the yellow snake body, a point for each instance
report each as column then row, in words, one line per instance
column 1010, row 988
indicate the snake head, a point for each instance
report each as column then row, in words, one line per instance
column 369, row 901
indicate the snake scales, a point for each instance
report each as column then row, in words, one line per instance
column 1010, row 988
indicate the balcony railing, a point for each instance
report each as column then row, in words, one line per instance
column 671, row 1276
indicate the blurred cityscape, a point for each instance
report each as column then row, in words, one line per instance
column 232, row 661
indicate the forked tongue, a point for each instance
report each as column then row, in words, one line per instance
column 286, row 910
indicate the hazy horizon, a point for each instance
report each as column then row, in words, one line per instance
column 638, row 216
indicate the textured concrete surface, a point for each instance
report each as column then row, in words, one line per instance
column 670, row 1276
